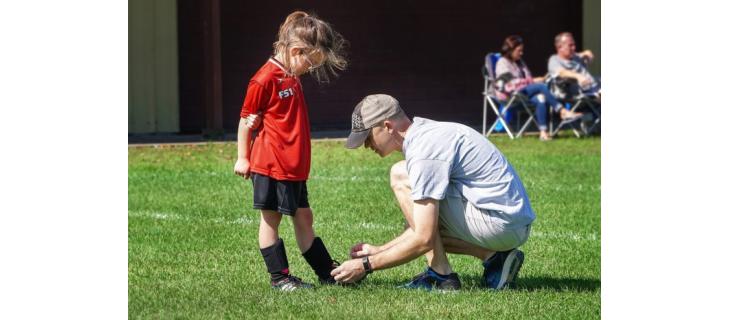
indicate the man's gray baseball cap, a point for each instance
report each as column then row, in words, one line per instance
column 370, row 112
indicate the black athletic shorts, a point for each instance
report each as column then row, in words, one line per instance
column 282, row 196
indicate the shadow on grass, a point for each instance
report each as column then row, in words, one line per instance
column 559, row 284
column 543, row 283
column 473, row 282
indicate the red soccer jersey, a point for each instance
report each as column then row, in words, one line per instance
column 282, row 149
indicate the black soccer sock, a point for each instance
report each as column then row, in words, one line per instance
column 276, row 262
column 319, row 259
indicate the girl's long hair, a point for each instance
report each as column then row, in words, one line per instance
column 310, row 33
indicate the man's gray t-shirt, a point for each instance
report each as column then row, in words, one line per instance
column 451, row 159
column 575, row 64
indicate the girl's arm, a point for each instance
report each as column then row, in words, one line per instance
column 243, row 166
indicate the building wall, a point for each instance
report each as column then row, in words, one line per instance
column 592, row 33
column 153, row 67
column 428, row 54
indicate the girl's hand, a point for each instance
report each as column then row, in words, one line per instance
column 242, row 168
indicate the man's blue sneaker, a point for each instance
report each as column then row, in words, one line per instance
column 501, row 269
column 429, row 280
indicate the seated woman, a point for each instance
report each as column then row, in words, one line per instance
column 517, row 78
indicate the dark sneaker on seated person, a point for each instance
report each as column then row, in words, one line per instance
column 501, row 269
column 430, row 280
column 290, row 283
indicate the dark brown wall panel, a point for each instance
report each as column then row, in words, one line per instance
column 427, row 54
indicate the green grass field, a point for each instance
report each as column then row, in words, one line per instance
column 193, row 250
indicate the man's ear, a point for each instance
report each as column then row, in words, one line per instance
column 389, row 126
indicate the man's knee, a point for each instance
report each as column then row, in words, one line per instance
column 399, row 175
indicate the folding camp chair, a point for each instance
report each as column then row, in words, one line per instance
column 501, row 108
column 580, row 102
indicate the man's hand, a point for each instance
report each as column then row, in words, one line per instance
column 349, row 272
column 253, row 121
column 586, row 55
column 242, row 168
column 584, row 82
column 363, row 250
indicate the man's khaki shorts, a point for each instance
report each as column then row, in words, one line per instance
column 488, row 229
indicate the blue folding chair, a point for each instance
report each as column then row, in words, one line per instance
column 502, row 108
column 576, row 102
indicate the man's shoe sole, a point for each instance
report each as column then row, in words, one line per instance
column 512, row 265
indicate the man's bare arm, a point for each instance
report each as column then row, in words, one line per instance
column 414, row 242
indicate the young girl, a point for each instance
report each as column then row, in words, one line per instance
column 278, row 163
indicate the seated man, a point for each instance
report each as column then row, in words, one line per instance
column 457, row 192
column 568, row 64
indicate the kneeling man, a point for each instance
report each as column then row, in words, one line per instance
column 457, row 192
